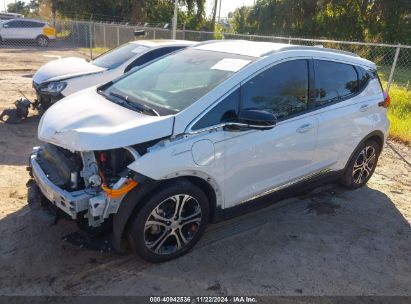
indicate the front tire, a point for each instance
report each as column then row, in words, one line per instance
column 170, row 223
column 42, row 41
column 362, row 165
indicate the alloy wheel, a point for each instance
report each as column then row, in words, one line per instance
column 364, row 164
column 172, row 224
column 42, row 41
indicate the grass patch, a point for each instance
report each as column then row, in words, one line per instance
column 63, row 34
column 399, row 113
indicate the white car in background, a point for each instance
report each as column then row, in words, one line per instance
column 27, row 29
column 62, row 77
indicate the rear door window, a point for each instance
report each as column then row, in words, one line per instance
column 364, row 76
column 34, row 24
column 335, row 82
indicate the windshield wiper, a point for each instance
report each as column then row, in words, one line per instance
column 134, row 105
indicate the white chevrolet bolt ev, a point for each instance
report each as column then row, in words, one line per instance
column 202, row 134
column 59, row 78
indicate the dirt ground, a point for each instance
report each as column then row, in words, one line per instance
column 328, row 242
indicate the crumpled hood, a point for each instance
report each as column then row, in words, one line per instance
column 86, row 121
column 65, row 68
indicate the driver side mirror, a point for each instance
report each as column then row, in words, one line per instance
column 254, row 119
column 5, row 25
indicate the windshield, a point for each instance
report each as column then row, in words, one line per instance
column 117, row 56
column 178, row 80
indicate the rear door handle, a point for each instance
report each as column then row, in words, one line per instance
column 364, row 108
column 305, row 128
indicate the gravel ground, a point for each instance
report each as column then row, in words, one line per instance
column 328, row 242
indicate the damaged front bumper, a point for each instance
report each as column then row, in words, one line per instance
column 71, row 203
column 46, row 99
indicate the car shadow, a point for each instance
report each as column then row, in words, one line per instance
column 330, row 241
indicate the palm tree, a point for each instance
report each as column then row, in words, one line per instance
column 214, row 15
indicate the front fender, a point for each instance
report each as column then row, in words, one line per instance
column 128, row 207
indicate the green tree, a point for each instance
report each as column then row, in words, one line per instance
column 241, row 20
column 369, row 20
column 137, row 11
column 18, row 7
column 34, row 6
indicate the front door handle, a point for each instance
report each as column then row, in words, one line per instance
column 364, row 108
column 305, row 128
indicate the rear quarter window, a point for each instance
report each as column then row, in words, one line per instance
column 364, row 77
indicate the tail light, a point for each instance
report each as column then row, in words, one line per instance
column 387, row 101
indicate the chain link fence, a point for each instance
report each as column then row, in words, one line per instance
column 394, row 61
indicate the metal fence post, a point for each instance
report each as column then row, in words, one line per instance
column 104, row 36
column 397, row 52
column 154, row 34
column 118, row 35
column 94, row 35
column 72, row 34
column 91, row 37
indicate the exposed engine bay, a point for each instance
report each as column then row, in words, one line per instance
column 88, row 186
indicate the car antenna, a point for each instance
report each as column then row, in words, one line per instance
column 21, row 92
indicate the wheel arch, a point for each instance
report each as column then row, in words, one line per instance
column 42, row 36
column 132, row 202
column 377, row 136
column 208, row 189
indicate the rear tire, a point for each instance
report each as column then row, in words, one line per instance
column 170, row 222
column 362, row 165
column 42, row 41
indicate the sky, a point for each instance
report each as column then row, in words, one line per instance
column 2, row 5
column 226, row 5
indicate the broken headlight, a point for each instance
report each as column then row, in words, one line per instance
column 53, row 88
